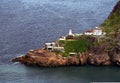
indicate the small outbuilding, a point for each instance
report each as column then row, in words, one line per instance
column 62, row 38
column 72, row 53
column 49, row 46
column 58, row 49
column 53, row 47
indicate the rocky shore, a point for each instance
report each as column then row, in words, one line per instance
column 46, row 58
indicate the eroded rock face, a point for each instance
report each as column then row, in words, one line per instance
column 115, row 54
column 102, row 59
column 48, row 59
column 83, row 58
column 45, row 58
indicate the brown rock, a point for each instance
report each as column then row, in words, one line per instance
column 102, row 59
column 114, row 54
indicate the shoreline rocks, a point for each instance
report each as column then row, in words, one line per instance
column 44, row 58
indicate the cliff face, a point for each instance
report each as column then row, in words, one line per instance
column 116, row 9
column 45, row 58
column 112, row 27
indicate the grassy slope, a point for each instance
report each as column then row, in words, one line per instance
column 112, row 24
column 74, row 46
column 78, row 44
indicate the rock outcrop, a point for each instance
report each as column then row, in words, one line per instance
column 115, row 54
column 99, row 60
column 45, row 58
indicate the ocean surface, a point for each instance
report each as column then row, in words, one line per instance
column 28, row 24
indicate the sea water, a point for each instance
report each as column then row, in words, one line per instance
column 28, row 24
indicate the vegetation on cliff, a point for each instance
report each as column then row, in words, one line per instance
column 112, row 27
column 112, row 24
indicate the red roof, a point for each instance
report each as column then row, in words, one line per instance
column 89, row 31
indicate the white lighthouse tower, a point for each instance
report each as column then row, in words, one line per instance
column 70, row 32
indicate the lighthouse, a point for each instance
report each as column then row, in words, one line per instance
column 70, row 35
column 70, row 32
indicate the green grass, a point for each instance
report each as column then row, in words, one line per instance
column 75, row 46
column 62, row 42
column 78, row 45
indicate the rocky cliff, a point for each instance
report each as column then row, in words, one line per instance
column 112, row 27
column 45, row 58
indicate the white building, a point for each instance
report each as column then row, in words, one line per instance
column 62, row 38
column 53, row 47
column 97, row 31
column 49, row 46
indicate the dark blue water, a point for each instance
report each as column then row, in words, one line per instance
column 28, row 24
